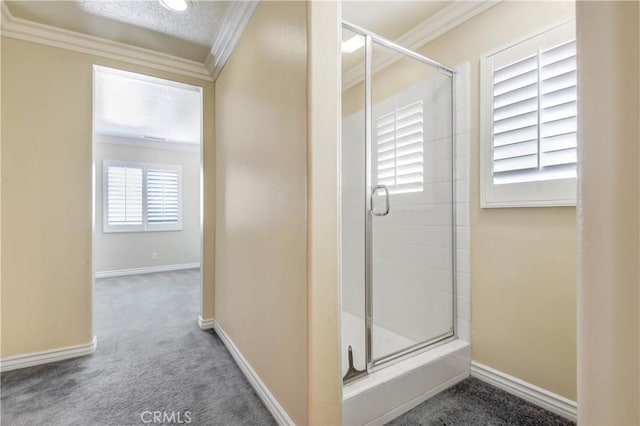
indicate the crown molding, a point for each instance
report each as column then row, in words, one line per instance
column 445, row 20
column 235, row 20
column 23, row 29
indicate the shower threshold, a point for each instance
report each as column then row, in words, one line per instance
column 394, row 389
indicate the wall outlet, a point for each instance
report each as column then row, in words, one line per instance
column 154, row 256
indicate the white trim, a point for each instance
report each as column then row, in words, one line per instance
column 205, row 324
column 534, row 394
column 149, row 144
column 145, row 226
column 235, row 20
column 44, row 357
column 543, row 193
column 272, row 404
column 445, row 20
column 23, row 29
column 147, row 270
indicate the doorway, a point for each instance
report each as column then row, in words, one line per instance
column 147, row 198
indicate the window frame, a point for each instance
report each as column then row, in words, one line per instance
column 543, row 193
column 145, row 226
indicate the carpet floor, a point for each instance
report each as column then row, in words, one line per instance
column 472, row 402
column 151, row 356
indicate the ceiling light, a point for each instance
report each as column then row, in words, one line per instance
column 175, row 5
column 353, row 44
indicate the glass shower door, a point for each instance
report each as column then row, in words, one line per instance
column 410, row 223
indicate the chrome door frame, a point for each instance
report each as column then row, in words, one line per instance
column 370, row 38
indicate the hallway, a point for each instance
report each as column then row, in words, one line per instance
column 151, row 356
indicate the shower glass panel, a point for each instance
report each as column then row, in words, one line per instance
column 397, row 210
column 353, row 210
column 411, row 214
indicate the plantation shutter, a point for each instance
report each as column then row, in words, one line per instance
column 535, row 117
column 124, row 195
column 558, row 111
column 400, row 149
column 163, row 198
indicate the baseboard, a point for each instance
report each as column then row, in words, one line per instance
column 205, row 324
column 532, row 393
column 44, row 357
column 147, row 270
column 272, row 404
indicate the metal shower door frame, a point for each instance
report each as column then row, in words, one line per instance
column 370, row 38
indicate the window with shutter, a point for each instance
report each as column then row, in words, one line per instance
column 124, row 197
column 529, row 122
column 400, row 145
column 163, row 198
column 140, row 197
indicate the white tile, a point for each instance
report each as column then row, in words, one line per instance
column 462, row 237
column 462, row 164
column 462, row 75
column 463, row 119
column 462, row 98
column 462, row 264
column 463, row 282
column 461, row 171
column 462, row 210
column 464, row 330
column 462, row 192
column 464, row 308
column 461, row 82
column 462, row 253
column 462, row 144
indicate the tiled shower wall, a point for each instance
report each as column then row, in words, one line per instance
column 412, row 246
column 462, row 155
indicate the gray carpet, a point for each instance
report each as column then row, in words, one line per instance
column 472, row 402
column 151, row 356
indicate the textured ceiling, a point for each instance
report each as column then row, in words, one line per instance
column 141, row 107
column 198, row 24
column 141, row 23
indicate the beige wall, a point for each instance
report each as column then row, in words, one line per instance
column 523, row 261
column 609, row 312
column 323, row 145
column 126, row 250
column 261, row 137
column 46, row 195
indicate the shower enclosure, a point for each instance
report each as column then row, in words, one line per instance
column 397, row 204
column 398, row 212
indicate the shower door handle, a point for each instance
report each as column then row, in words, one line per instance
column 386, row 200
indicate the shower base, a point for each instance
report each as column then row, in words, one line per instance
column 386, row 341
column 394, row 389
